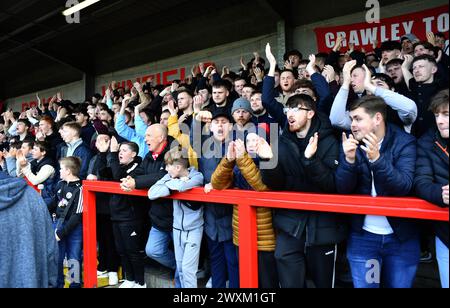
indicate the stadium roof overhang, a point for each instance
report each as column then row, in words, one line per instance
column 39, row 49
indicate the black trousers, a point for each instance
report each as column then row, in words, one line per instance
column 294, row 261
column 128, row 236
column 267, row 270
column 108, row 258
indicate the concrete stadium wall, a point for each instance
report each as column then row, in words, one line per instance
column 168, row 69
column 178, row 67
column 73, row 91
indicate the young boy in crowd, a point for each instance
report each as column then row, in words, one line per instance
column 68, row 226
column 187, row 216
column 128, row 214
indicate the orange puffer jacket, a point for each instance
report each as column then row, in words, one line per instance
column 223, row 179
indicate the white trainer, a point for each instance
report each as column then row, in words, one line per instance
column 127, row 285
column 209, row 283
column 113, row 279
column 101, row 274
column 138, row 286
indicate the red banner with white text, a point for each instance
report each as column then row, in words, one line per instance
column 363, row 34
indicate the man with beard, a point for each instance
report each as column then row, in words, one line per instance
column 185, row 100
column 242, row 116
column 261, row 117
column 307, row 158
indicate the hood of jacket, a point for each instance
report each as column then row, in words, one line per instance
column 11, row 190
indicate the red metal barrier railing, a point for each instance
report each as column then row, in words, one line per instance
column 33, row 186
column 247, row 202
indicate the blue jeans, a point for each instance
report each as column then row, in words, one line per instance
column 71, row 246
column 224, row 263
column 157, row 248
column 442, row 258
column 382, row 259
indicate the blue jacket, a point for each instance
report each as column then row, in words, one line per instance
column 28, row 248
column 49, row 191
column 130, row 134
column 432, row 175
column 393, row 173
column 218, row 217
column 275, row 108
column 83, row 152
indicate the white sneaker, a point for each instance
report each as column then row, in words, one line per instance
column 127, row 285
column 102, row 274
column 138, row 286
column 113, row 279
column 209, row 283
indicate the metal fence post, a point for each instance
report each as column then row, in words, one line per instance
column 248, row 246
column 89, row 238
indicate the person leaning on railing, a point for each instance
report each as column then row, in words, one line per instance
column 238, row 169
column 307, row 158
column 128, row 214
column 378, row 159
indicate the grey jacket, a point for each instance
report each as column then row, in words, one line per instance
column 405, row 107
column 28, row 248
column 187, row 215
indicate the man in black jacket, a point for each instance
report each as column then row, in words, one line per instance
column 306, row 240
column 108, row 258
column 151, row 170
column 127, row 212
column 424, row 86
column 47, row 134
column 431, row 180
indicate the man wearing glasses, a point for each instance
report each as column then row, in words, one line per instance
column 308, row 155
